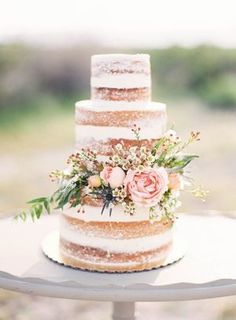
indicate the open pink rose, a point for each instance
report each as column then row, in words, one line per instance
column 146, row 187
column 113, row 176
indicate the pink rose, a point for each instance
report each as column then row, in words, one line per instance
column 113, row 176
column 175, row 181
column 146, row 187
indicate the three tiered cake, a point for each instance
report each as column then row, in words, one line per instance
column 121, row 188
column 121, row 94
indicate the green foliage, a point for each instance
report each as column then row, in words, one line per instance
column 179, row 163
column 202, row 72
column 64, row 194
column 30, row 78
column 77, row 181
column 169, row 150
column 69, row 192
column 37, row 207
column 221, row 92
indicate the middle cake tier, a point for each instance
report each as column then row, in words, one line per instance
column 102, row 128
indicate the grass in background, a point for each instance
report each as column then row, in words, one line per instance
column 24, row 127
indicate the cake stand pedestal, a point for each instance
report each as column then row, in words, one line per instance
column 208, row 269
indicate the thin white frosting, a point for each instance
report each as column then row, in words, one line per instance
column 108, row 105
column 101, row 133
column 96, row 262
column 121, row 81
column 118, row 215
column 104, row 105
column 116, row 245
column 120, row 63
column 120, row 57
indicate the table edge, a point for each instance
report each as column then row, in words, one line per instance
column 137, row 292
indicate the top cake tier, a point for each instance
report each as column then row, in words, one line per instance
column 118, row 79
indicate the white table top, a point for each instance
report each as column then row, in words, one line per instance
column 207, row 270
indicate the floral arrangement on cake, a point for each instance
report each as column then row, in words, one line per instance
column 130, row 177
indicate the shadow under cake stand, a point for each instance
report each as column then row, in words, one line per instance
column 207, row 270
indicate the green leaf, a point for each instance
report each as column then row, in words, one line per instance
column 77, row 201
column 21, row 216
column 38, row 210
column 63, row 194
column 159, row 143
column 180, row 163
column 60, row 198
column 36, row 200
column 165, row 153
column 32, row 213
column 46, row 204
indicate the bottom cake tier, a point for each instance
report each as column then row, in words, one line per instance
column 120, row 243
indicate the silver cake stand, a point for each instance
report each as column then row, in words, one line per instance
column 208, row 269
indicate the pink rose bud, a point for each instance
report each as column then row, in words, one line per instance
column 175, row 181
column 146, row 187
column 105, row 174
column 94, row 181
column 117, row 177
column 113, row 176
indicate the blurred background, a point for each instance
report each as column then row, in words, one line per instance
column 45, row 50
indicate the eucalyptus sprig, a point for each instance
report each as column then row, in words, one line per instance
column 168, row 152
column 68, row 193
column 178, row 163
column 37, row 207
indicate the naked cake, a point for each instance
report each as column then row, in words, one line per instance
column 121, row 188
column 121, row 99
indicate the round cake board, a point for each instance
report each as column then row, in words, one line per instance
column 50, row 248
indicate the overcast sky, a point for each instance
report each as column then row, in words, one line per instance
column 121, row 22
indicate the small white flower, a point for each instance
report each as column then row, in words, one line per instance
column 75, row 178
column 171, row 133
column 116, row 159
column 156, row 214
column 150, row 159
column 133, row 149
column 178, row 139
column 119, row 147
column 172, row 136
column 143, row 157
column 140, row 167
column 68, row 171
column 87, row 190
column 143, row 149
column 90, row 166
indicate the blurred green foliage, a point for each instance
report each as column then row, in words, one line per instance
column 206, row 72
column 39, row 79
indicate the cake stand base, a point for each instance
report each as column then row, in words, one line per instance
column 124, row 311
